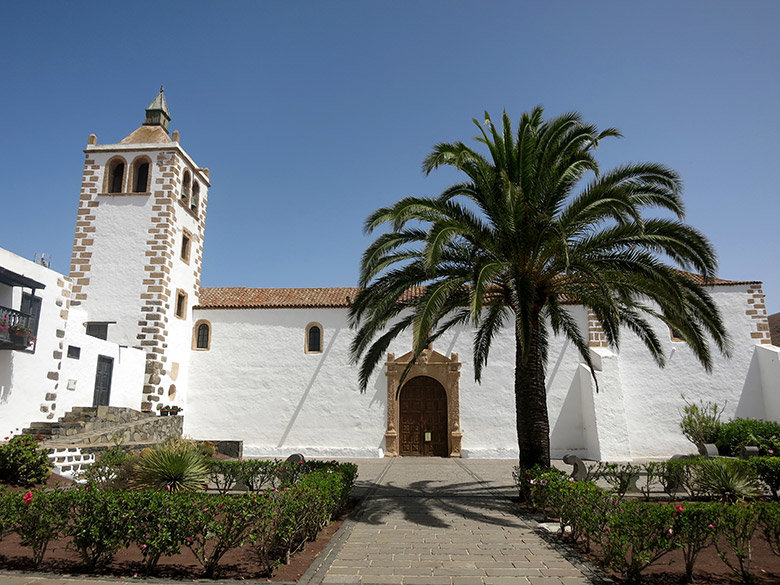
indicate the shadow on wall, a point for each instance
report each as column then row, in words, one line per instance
column 309, row 386
column 751, row 400
column 567, row 433
column 6, row 374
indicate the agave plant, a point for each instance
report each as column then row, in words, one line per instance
column 174, row 465
column 728, row 479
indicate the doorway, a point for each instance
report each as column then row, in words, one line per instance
column 423, row 418
column 105, row 368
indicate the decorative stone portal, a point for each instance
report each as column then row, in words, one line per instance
column 433, row 372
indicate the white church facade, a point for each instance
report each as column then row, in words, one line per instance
column 131, row 326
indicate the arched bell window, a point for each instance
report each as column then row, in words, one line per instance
column 116, row 175
column 195, row 196
column 201, row 335
column 186, row 188
column 141, row 175
column 313, row 338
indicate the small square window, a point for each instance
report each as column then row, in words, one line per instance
column 74, row 352
column 98, row 329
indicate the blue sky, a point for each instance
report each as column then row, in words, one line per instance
column 310, row 115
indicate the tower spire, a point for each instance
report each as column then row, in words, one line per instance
column 157, row 113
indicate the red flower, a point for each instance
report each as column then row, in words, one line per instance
column 27, row 497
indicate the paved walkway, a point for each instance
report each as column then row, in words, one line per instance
column 422, row 521
column 441, row 522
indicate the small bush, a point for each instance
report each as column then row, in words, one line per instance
column 636, row 535
column 175, row 465
column 736, row 526
column 701, row 422
column 99, row 524
column 747, row 431
column 23, row 463
column 39, row 518
column 730, row 480
column 161, row 525
column 224, row 474
column 768, row 471
column 769, row 523
column 694, row 530
column 619, row 476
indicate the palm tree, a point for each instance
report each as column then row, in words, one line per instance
column 533, row 228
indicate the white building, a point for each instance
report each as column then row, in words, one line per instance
column 270, row 367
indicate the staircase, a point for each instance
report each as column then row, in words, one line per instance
column 74, row 439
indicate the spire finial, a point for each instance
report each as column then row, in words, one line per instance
column 157, row 113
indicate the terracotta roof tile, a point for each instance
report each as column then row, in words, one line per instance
column 241, row 297
column 275, row 298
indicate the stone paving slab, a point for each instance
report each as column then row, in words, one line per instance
column 443, row 522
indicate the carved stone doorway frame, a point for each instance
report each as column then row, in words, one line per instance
column 443, row 369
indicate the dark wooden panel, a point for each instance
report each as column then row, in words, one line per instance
column 423, row 409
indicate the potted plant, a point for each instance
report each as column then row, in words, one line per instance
column 170, row 410
column 20, row 335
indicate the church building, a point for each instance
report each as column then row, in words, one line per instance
column 132, row 326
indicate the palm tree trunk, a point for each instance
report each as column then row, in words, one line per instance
column 533, row 426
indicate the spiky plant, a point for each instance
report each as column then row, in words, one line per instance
column 729, row 480
column 174, row 465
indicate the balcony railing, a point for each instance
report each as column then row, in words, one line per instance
column 11, row 318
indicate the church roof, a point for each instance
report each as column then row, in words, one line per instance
column 147, row 135
column 240, row 297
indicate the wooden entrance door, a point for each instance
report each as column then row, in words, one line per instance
column 422, row 412
column 105, row 369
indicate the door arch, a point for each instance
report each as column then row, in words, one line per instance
column 422, row 414
column 432, row 366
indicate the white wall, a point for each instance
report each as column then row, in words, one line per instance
column 257, row 385
column 35, row 386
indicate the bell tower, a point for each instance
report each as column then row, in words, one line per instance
column 138, row 247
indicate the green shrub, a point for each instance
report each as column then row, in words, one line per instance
column 768, row 471
column 100, row 522
column 532, row 484
column 769, row 523
column 747, row 431
column 38, row 518
column 224, row 474
column 636, row 535
column 729, row 480
column 110, row 471
column 701, row 422
column 585, row 511
column 161, row 525
column 256, row 475
column 694, row 530
column 678, row 475
column 175, row 465
column 22, row 462
column 736, row 526
column 619, row 476
column 217, row 524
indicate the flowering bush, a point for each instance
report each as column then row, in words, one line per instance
column 22, row 462
column 694, row 530
column 100, row 522
column 769, row 522
column 636, row 535
column 38, row 518
column 736, row 526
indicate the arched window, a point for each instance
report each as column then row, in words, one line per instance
column 141, row 175
column 195, row 196
column 201, row 335
column 116, row 176
column 313, row 338
column 186, row 188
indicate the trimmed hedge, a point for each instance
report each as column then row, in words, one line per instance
column 272, row 522
column 748, row 431
column 635, row 534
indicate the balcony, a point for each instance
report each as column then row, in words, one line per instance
column 12, row 317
